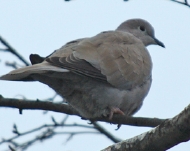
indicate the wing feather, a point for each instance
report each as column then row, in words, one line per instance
column 117, row 57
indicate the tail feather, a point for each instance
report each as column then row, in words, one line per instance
column 23, row 74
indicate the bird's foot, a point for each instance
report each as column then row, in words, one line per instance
column 114, row 110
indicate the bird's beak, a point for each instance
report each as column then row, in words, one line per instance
column 159, row 43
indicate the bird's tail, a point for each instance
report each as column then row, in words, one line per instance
column 23, row 74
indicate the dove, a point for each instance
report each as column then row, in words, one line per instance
column 109, row 73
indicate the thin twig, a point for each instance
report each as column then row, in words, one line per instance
column 13, row 65
column 50, row 132
column 183, row 3
column 4, row 50
column 42, row 127
column 105, row 132
column 10, row 49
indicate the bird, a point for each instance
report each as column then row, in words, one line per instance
column 109, row 73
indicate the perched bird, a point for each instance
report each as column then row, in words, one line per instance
column 107, row 74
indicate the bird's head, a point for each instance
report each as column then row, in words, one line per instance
column 141, row 29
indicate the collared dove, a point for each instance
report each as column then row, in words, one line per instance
column 107, row 74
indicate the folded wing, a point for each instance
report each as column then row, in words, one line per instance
column 115, row 57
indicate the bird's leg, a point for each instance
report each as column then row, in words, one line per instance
column 115, row 110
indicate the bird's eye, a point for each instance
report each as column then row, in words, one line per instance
column 142, row 28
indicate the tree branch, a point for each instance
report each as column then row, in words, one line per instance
column 22, row 104
column 48, row 126
column 49, row 132
column 183, row 3
column 10, row 49
column 168, row 134
column 105, row 132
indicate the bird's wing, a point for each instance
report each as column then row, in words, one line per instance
column 116, row 57
column 76, row 65
column 64, row 58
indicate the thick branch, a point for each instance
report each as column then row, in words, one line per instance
column 168, row 134
column 64, row 108
column 10, row 49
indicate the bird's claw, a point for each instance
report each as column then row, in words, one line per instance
column 115, row 110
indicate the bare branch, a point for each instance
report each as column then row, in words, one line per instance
column 168, row 134
column 49, row 132
column 10, row 49
column 64, row 108
column 20, row 134
column 105, row 132
column 23, row 104
column 12, row 64
column 46, row 135
column 42, row 127
column 183, row 3
column 4, row 50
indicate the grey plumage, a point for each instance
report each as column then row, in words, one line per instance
column 99, row 76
